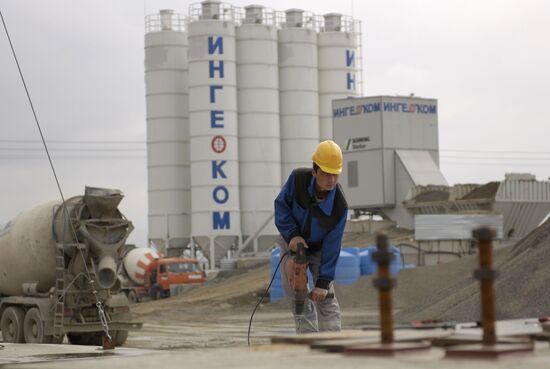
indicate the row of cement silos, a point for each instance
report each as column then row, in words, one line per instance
column 235, row 100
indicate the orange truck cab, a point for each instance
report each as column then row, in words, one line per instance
column 171, row 275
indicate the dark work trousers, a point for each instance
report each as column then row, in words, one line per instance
column 318, row 316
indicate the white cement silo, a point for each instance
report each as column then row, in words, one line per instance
column 298, row 90
column 258, row 115
column 166, row 78
column 339, row 74
column 213, row 127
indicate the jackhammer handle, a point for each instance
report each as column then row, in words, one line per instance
column 300, row 257
column 330, row 295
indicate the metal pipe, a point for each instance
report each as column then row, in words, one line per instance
column 486, row 275
column 106, row 272
column 384, row 285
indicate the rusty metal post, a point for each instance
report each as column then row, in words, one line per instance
column 384, row 284
column 489, row 346
column 486, row 275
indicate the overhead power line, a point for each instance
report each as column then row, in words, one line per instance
column 511, row 165
column 72, row 157
column 497, row 151
column 73, row 142
column 66, row 149
column 493, row 158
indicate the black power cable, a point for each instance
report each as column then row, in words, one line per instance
column 32, row 107
column 265, row 294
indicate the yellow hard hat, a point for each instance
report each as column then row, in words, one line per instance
column 328, row 157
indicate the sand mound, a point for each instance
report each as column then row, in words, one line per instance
column 450, row 292
column 229, row 292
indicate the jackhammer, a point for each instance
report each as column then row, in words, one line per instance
column 296, row 271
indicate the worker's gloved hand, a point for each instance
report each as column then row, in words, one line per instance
column 319, row 294
column 295, row 241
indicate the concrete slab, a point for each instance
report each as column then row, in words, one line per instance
column 34, row 353
column 294, row 357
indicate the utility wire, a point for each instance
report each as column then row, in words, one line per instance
column 32, row 107
column 491, row 158
column 497, row 151
column 66, row 149
column 72, row 141
column 515, row 164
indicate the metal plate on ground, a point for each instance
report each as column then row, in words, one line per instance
column 402, row 336
column 308, row 338
column 489, row 352
column 387, row 349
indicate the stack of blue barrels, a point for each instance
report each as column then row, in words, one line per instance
column 352, row 264
column 369, row 266
column 277, row 286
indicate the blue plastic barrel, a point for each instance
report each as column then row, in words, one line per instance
column 348, row 268
column 276, row 291
column 369, row 266
column 366, row 263
column 352, row 250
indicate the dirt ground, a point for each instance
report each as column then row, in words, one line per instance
column 217, row 314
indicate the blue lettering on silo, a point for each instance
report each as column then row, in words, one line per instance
column 220, row 194
column 215, row 117
column 350, row 58
column 216, row 194
column 213, row 89
column 217, row 169
column 212, row 68
column 213, row 45
column 351, row 81
column 221, row 221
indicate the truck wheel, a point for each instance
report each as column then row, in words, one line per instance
column 12, row 325
column 33, row 327
column 132, row 297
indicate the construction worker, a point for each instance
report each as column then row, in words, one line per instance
column 311, row 209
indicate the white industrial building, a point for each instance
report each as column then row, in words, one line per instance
column 391, row 168
column 237, row 98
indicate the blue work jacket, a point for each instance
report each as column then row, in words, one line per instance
column 290, row 219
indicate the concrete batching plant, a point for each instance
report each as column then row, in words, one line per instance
column 237, row 98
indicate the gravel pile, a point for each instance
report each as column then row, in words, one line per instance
column 449, row 291
column 487, row 191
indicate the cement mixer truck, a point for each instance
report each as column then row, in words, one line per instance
column 58, row 272
column 148, row 275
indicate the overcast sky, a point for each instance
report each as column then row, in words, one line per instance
column 487, row 62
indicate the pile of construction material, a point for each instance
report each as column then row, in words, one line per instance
column 449, row 291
